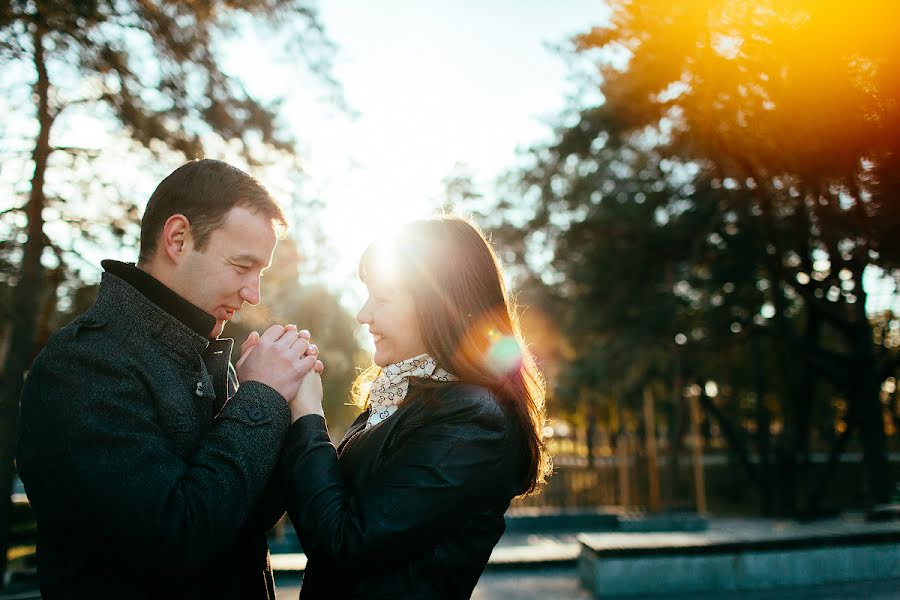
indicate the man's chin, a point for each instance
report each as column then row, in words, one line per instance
column 217, row 329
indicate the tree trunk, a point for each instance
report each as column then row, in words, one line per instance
column 677, row 427
column 793, row 451
column 867, row 397
column 653, row 497
column 24, row 299
column 590, row 433
column 733, row 435
column 763, row 435
column 814, row 506
column 865, row 393
column 895, row 411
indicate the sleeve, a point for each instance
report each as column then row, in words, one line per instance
column 270, row 508
column 439, row 474
column 99, row 461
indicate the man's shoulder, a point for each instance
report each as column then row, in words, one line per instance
column 93, row 342
column 90, row 332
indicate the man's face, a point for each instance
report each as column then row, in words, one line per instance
column 225, row 274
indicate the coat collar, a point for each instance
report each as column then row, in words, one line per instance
column 157, row 292
column 118, row 300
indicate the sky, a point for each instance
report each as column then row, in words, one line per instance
column 431, row 85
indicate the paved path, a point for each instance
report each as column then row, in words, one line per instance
column 562, row 584
column 542, row 584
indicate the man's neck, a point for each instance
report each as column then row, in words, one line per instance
column 146, row 282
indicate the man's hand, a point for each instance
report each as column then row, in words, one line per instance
column 247, row 348
column 278, row 358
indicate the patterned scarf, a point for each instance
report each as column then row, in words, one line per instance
column 391, row 385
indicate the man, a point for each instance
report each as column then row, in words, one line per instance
column 144, row 461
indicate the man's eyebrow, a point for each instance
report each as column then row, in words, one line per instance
column 248, row 258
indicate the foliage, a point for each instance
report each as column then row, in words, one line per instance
column 714, row 216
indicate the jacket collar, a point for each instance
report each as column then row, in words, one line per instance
column 119, row 300
column 155, row 291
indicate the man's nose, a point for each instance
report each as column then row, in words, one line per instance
column 250, row 293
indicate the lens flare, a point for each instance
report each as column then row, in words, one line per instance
column 504, row 355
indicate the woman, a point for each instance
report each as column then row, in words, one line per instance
column 411, row 502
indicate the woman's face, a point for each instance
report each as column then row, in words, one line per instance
column 390, row 313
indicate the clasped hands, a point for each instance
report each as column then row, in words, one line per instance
column 284, row 359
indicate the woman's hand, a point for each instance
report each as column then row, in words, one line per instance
column 308, row 400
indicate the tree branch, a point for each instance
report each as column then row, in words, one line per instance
column 76, row 151
column 12, row 210
column 734, row 439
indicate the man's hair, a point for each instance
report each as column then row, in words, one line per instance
column 204, row 191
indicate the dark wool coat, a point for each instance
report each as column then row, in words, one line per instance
column 143, row 484
column 411, row 507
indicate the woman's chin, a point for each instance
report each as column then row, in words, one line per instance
column 381, row 359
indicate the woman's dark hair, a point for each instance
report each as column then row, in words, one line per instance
column 466, row 319
column 204, row 191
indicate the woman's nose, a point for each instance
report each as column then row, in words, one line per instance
column 363, row 316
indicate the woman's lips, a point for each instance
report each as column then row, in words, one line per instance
column 377, row 337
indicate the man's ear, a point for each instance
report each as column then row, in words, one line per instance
column 176, row 239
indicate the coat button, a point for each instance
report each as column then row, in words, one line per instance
column 255, row 414
column 199, row 389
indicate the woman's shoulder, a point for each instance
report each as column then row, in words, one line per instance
column 467, row 392
column 468, row 400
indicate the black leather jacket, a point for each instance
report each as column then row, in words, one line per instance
column 410, row 508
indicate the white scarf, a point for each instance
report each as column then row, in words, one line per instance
column 390, row 386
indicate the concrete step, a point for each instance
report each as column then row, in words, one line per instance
column 739, row 556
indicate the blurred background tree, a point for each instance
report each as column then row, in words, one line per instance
column 153, row 70
column 723, row 214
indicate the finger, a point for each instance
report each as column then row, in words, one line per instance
column 272, row 334
column 244, row 354
column 300, row 346
column 306, row 364
column 304, row 333
column 251, row 341
column 290, row 327
column 320, row 367
column 289, row 338
column 313, row 350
